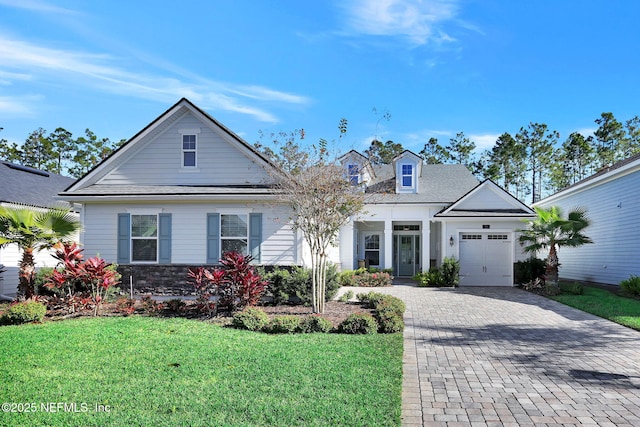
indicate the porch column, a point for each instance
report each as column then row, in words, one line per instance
column 388, row 244
column 347, row 246
column 425, row 260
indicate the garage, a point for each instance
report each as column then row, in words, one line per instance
column 486, row 259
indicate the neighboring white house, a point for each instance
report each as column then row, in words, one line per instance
column 611, row 198
column 25, row 186
column 185, row 189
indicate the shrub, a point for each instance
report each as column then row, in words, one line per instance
column 451, row 271
column 150, row 306
column 24, row 312
column 296, row 285
column 126, row 305
column 175, row 305
column 631, row 285
column 389, row 322
column 431, row 278
column 284, row 324
column 391, row 304
column 315, row 323
column 365, row 277
column 346, row 296
column 236, row 283
column 359, row 323
column 529, row 270
column 251, row 318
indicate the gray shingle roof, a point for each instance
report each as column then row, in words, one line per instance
column 24, row 185
column 438, row 184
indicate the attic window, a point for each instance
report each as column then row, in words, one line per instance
column 189, row 151
column 407, row 175
column 354, row 174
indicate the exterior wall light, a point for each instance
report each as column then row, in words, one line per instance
column 451, row 241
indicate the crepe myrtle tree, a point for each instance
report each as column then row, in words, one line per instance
column 550, row 231
column 321, row 198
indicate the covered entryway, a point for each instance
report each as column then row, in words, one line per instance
column 406, row 250
column 486, row 259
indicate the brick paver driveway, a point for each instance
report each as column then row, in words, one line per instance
column 503, row 356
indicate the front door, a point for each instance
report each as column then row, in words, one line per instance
column 407, row 255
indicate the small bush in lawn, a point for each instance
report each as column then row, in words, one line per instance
column 389, row 322
column 346, row 296
column 150, row 306
column 126, row 305
column 359, row 323
column 631, row 285
column 175, row 305
column 315, row 323
column 284, row 324
column 251, row 318
column 24, row 312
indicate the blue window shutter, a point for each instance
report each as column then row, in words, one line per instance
column 164, row 238
column 213, row 238
column 124, row 238
column 255, row 236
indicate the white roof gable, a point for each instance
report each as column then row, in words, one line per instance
column 153, row 156
column 487, row 199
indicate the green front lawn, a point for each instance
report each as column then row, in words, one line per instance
column 178, row 372
column 625, row 311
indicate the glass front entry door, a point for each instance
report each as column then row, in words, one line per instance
column 407, row 255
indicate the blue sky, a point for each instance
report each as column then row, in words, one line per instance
column 437, row 67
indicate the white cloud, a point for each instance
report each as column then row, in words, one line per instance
column 102, row 72
column 484, row 141
column 419, row 21
column 20, row 106
column 36, row 6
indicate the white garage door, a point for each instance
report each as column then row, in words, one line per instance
column 486, row 259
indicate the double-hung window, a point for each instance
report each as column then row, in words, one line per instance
column 407, row 175
column 354, row 174
column 372, row 249
column 189, row 145
column 233, row 233
column 144, row 238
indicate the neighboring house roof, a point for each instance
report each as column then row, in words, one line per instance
column 29, row 186
column 620, row 168
column 438, row 184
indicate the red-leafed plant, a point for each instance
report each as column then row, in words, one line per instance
column 235, row 283
column 77, row 277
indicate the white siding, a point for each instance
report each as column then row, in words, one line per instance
column 159, row 160
column 189, row 227
column 613, row 208
column 486, row 199
column 10, row 257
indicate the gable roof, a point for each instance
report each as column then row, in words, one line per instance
column 29, row 186
column 487, row 199
column 618, row 169
column 89, row 184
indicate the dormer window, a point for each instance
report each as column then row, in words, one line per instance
column 354, row 174
column 189, row 151
column 407, row 175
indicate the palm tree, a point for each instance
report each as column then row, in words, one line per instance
column 34, row 230
column 550, row 230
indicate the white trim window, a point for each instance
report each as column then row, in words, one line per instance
column 234, row 233
column 354, row 174
column 372, row 249
column 189, row 150
column 144, row 238
column 407, row 176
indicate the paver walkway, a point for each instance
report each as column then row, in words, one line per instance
column 505, row 357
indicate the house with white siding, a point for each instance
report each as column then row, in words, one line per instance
column 186, row 189
column 611, row 199
column 25, row 186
